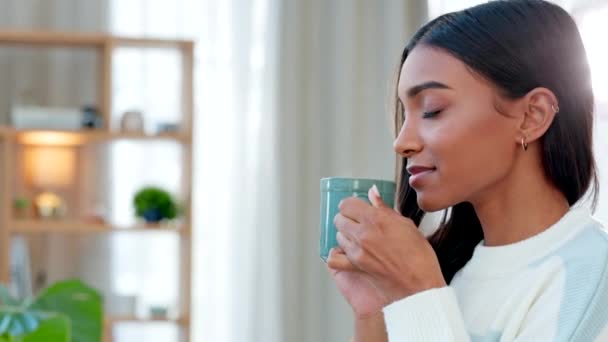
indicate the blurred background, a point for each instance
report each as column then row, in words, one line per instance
column 168, row 153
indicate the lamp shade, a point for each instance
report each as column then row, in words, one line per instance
column 50, row 166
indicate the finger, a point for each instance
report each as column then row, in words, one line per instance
column 337, row 261
column 347, row 243
column 331, row 255
column 346, row 225
column 375, row 198
column 354, row 208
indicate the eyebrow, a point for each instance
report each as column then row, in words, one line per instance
column 415, row 90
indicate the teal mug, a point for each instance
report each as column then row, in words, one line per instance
column 333, row 191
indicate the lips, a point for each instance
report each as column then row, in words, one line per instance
column 416, row 169
column 418, row 173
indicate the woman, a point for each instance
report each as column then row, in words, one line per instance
column 494, row 117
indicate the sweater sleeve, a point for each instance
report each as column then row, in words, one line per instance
column 580, row 314
column 431, row 315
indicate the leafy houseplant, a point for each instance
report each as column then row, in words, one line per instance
column 154, row 204
column 67, row 311
column 21, row 205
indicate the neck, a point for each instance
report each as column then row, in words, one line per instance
column 523, row 204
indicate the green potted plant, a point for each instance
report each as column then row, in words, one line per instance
column 154, row 204
column 21, row 206
column 67, row 311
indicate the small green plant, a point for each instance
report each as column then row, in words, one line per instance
column 21, row 203
column 68, row 311
column 21, row 207
column 154, row 204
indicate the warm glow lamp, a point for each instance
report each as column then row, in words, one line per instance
column 49, row 168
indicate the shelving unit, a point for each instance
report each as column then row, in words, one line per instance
column 14, row 141
column 83, row 227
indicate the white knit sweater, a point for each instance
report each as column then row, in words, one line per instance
column 550, row 287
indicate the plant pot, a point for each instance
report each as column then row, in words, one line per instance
column 152, row 215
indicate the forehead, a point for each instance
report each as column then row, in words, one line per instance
column 425, row 64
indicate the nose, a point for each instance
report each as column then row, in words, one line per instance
column 408, row 141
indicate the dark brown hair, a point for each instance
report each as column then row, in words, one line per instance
column 518, row 45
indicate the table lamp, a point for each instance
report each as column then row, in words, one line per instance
column 49, row 169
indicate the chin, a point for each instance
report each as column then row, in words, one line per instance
column 430, row 203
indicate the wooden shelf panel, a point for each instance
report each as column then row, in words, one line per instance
column 62, row 137
column 150, row 42
column 112, row 320
column 95, row 40
column 101, row 136
column 46, row 38
column 82, row 227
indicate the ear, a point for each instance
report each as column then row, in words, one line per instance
column 540, row 107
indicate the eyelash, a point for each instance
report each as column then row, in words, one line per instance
column 428, row 115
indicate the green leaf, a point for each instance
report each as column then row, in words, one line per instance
column 55, row 329
column 15, row 322
column 17, row 327
column 154, row 198
column 29, row 321
column 5, row 322
column 80, row 303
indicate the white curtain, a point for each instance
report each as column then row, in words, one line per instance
column 591, row 18
column 283, row 104
column 337, row 61
column 236, row 278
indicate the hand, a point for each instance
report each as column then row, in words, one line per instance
column 383, row 255
column 357, row 288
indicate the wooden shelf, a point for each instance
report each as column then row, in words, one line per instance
column 71, row 39
column 148, row 42
column 139, row 136
column 14, row 152
column 45, row 38
column 75, row 138
column 112, row 320
column 82, row 227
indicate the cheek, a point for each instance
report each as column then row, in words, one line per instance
column 469, row 155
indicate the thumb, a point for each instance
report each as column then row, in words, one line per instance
column 374, row 197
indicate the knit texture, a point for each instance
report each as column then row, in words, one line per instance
column 550, row 287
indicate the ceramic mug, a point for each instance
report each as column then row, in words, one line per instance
column 334, row 190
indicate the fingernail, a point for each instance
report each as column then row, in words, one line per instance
column 376, row 191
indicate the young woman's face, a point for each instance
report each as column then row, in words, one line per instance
column 458, row 146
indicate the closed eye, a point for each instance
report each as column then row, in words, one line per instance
column 428, row 115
